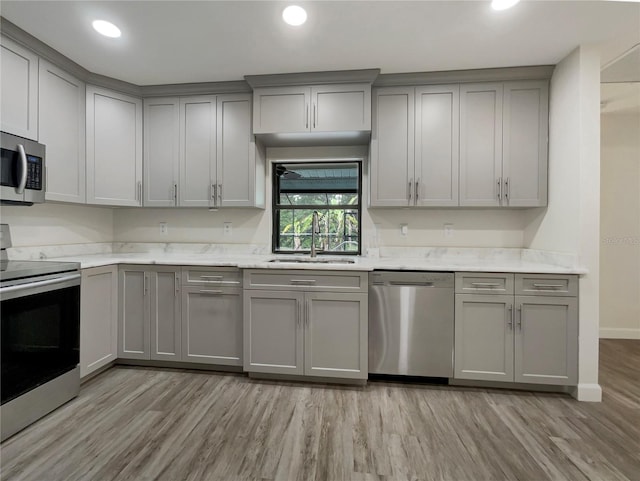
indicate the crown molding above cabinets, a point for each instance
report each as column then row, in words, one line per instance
column 313, row 78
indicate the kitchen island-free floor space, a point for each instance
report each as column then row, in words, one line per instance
column 147, row 424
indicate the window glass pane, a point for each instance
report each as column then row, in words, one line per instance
column 318, row 199
column 339, row 230
column 307, row 178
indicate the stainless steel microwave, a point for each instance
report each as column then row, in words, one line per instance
column 22, row 171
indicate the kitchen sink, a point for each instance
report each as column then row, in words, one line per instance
column 315, row 260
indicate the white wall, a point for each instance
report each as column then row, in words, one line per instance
column 57, row 224
column 620, row 225
column 571, row 222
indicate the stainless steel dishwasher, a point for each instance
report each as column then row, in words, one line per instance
column 411, row 323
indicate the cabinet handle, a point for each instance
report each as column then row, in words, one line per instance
column 486, row 284
column 144, row 284
column 210, row 291
column 306, row 125
column 506, row 189
column 547, row 286
column 410, row 187
column 303, row 282
column 510, row 318
column 177, row 285
column 417, row 190
column 308, row 310
column 300, row 313
column 520, row 317
column 220, row 193
column 210, row 277
column 314, row 116
column 175, row 194
column 139, row 192
column 499, row 188
column 213, row 193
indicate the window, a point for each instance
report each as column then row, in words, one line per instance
column 331, row 189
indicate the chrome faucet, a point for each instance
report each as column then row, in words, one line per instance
column 315, row 229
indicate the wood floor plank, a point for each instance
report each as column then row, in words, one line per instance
column 148, row 424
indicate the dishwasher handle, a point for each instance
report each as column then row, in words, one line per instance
column 411, row 283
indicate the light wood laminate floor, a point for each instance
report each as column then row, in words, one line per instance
column 148, row 424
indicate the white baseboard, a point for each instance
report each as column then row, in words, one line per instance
column 619, row 333
column 588, row 393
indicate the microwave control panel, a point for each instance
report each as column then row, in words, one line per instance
column 34, row 172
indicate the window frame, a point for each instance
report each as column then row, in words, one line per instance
column 276, row 206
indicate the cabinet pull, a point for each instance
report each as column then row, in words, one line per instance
column 175, row 193
column 547, row 286
column 303, row 282
column 486, row 284
column 144, row 284
column 210, row 277
column 220, row 193
column 417, row 191
column 209, row 291
column 314, row 116
column 308, row 310
column 506, row 189
column 510, row 318
column 213, row 193
column 177, row 285
column 139, row 192
column 520, row 317
column 499, row 188
column 306, row 125
column 300, row 313
column 410, row 186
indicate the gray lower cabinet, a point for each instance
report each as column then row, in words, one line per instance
column 212, row 325
column 312, row 323
column 149, row 313
column 526, row 332
column 98, row 318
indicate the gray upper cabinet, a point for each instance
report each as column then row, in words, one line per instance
column 319, row 108
column 414, row 146
column 165, row 313
column 525, row 139
column 392, row 147
column 484, row 337
column 503, row 144
column 273, row 332
column 61, row 121
column 481, row 144
column 197, row 151
column 220, row 164
column 114, row 148
column 133, row 313
column 436, row 145
column 19, row 93
column 161, row 149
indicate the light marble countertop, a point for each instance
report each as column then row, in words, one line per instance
column 463, row 262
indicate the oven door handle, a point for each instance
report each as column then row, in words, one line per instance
column 67, row 281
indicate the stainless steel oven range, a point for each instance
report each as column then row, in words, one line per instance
column 40, row 315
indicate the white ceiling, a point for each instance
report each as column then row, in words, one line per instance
column 184, row 41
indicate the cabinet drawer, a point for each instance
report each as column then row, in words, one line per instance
column 306, row 280
column 546, row 285
column 212, row 276
column 484, row 283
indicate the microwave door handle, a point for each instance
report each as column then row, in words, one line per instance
column 23, row 174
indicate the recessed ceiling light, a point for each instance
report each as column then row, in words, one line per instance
column 106, row 28
column 294, row 15
column 503, row 4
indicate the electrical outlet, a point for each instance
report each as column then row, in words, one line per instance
column 164, row 228
column 404, row 229
column 448, row 230
column 228, row 229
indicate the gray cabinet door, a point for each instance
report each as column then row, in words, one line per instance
column 61, row 124
column 392, row 148
column 281, row 110
column 161, row 151
column 98, row 318
column 481, row 144
column 273, row 332
column 436, row 145
column 197, row 151
column 165, row 314
column 484, row 337
column 114, row 148
column 524, row 139
column 337, row 108
column 19, row 92
column 546, row 340
column 133, row 313
column 212, row 325
column 236, row 152
column 336, row 335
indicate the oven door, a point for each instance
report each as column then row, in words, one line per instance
column 40, row 332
